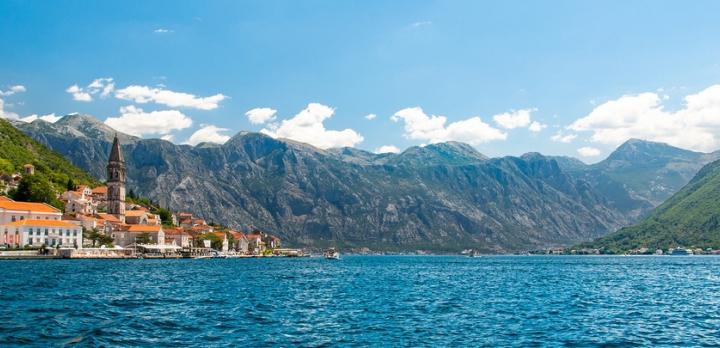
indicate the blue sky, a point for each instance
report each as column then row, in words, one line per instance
column 586, row 75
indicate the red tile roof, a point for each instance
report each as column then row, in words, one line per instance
column 27, row 206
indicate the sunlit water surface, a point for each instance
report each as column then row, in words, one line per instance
column 360, row 301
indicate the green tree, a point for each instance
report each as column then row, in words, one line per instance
column 70, row 185
column 143, row 238
column 165, row 216
column 36, row 188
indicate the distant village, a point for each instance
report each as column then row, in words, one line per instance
column 101, row 222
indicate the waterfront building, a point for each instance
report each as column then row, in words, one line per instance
column 11, row 211
column 178, row 237
column 241, row 243
column 36, row 233
column 116, row 182
column 130, row 234
column 136, row 217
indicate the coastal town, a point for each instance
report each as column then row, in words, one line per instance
column 103, row 222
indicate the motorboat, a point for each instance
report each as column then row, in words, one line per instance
column 332, row 254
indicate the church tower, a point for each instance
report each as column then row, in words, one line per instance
column 116, row 182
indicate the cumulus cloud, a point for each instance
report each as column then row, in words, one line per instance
column 101, row 86
column 10, row 91
column 514, row 119
column 419, row 126
column 387, row 149
column 559, row 137
column 78, row 94
column 145, row 94
column 135, row 121
column 695, row 126
column 261, row 115
column 587, row 151
column 47, row 118
column 208, row 134
column 167, row 137
column 370, row 116
column 307, row 126
column 536, row 126
column 6, row 114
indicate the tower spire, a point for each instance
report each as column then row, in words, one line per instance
column 115, row 153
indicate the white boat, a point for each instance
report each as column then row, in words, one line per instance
column 332, row 254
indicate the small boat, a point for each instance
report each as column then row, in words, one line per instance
column 474, row 253
column 681, row 252
column 332, row 254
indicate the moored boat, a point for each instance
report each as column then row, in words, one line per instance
column 681, row 252
column 332, row 254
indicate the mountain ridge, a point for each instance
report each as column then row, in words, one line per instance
column 442, row 196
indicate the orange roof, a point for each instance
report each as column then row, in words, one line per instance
column 44, row 223
column 27, row 206
column 5, row 199
column 100, row 190
column 109, row 217
column 135, row 213
column 220, row 235
column 237, row 235
column 144, row 228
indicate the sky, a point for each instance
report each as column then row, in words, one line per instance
column 573, row 78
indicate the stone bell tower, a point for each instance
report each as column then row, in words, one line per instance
column 116, row 182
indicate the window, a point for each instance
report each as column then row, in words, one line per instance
column 22, row 218
column 74, row 233
column 13, row 218
column 31, row 230
column 46, row 231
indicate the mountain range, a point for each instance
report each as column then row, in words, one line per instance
column 444, row 196
column 690, row 218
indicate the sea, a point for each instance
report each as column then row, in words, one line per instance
column 360, row 301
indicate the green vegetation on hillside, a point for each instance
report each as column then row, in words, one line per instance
column 52, row 170
column 690, row 218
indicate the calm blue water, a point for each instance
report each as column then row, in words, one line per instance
column 360, row 301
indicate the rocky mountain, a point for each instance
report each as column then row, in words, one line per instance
column 691, row 217
column 443, row 196
column 639, row 175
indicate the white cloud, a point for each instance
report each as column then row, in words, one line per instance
column 12, row 90
column 6, row 114
column 167, row 137
column 420, row 24
column 387, row 149
column 514, row 119
column 47, row 118
column 102, row 86
column 370, row 116
column 135, row 121
column 78, row 93
column 536, row 126
column 695, row 126
column 307, row 126
column 208, row 134
column 261, row 115
column 419, row 126
column 145, row 94
column 560, row 138
column 163, row 31
column 588, row 151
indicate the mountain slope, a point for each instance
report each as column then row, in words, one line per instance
column 455, row 199
column 691, row 217
column 639, row 175
column 17, row 149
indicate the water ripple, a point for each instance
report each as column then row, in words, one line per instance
column 363, row 301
